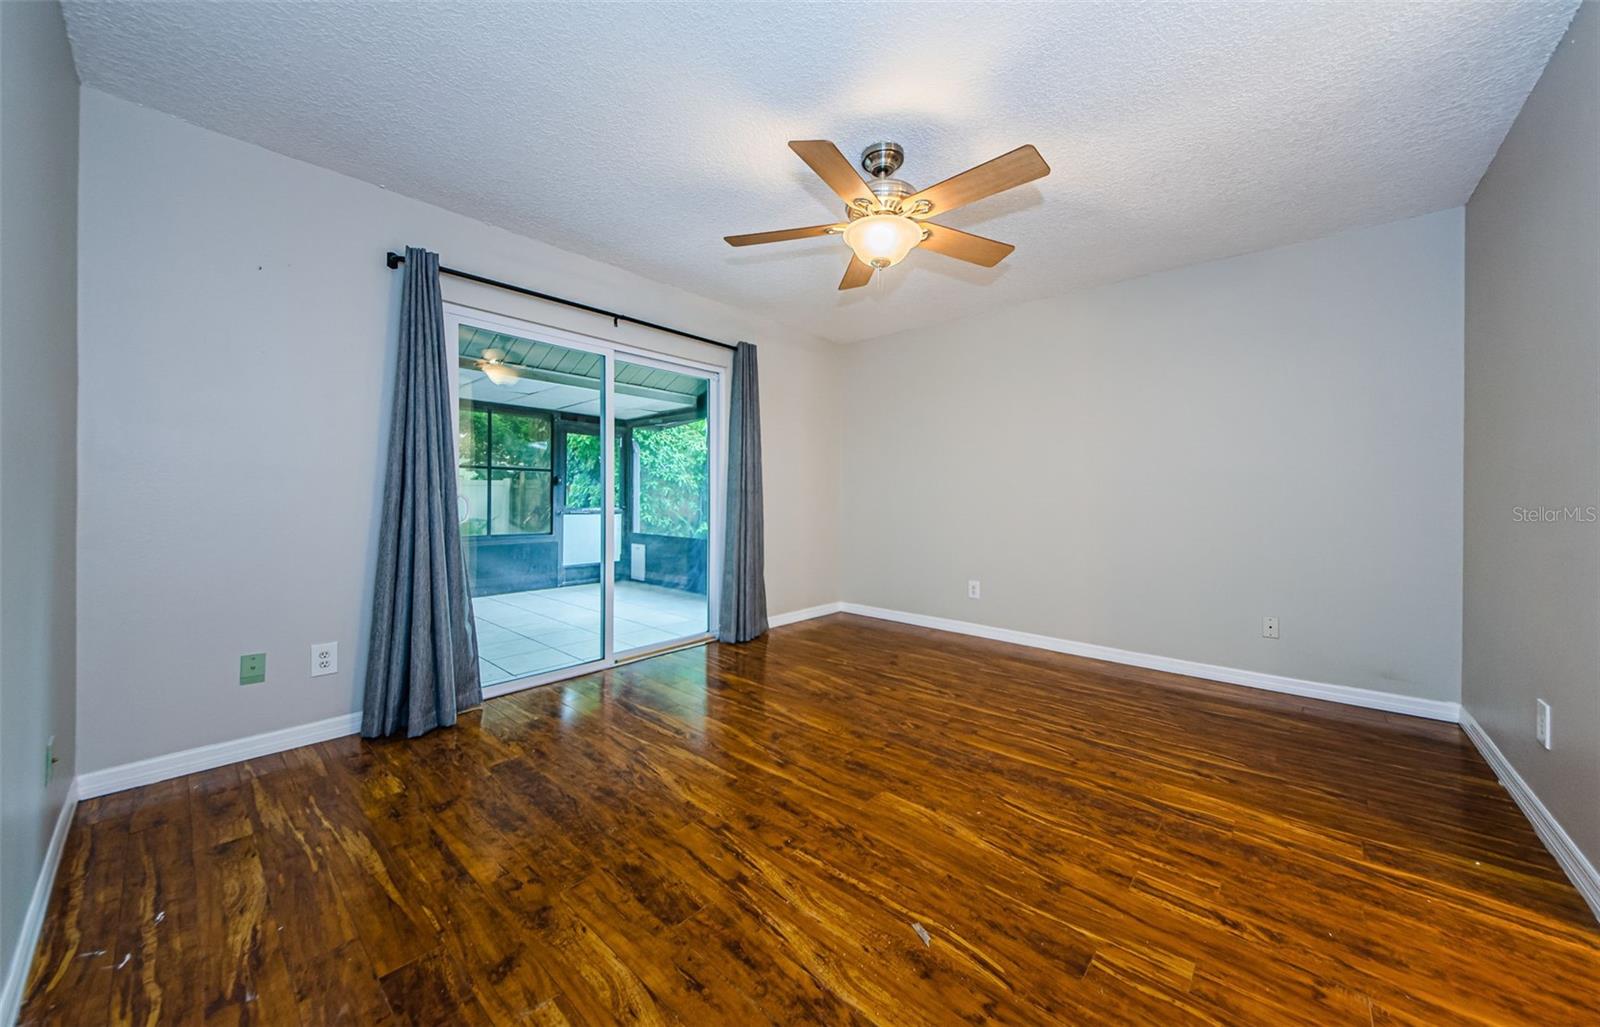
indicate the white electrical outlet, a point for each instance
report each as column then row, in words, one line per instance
column 1269, row 627
column 973, row 592
column 324, row 659
column 1541, row 722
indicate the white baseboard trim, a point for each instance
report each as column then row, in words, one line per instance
column 219, row 754
column 1579, row 870
column 207, row 757
column 33, row 920
column 1433, row 709
column 796, row 616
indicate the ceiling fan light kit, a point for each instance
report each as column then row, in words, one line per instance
column 885, row 218
column 882, row 240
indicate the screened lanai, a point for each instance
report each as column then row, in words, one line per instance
column 530, row 504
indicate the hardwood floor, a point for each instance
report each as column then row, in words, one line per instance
column 749, row 835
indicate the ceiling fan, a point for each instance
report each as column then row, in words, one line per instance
column 492, row 363
column 885, row 218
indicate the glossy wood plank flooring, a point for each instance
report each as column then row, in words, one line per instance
column 750, row 835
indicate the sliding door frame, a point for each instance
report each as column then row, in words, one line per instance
column 610, row 350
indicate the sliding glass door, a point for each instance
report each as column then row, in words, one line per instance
column 664, row 471
column 585, row 498
column 533, row 563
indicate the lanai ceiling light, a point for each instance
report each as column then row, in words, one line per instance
column 885, row 218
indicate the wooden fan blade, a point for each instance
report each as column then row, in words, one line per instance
column 859, row 273
column 831, row 166
column 974, row 249
column 1004, row 172
column 756, row 238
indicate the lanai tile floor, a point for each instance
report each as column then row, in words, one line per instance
column 525, row 633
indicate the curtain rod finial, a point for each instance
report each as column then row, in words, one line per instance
column 394, row 260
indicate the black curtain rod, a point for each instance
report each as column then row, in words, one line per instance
column 395, row 260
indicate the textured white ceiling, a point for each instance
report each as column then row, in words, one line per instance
column 641, row 134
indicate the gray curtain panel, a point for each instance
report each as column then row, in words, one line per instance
column 423, row 663
column 743, row 614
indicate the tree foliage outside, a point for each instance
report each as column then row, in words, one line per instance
column 473, row 437
column 503, row 481
column 583, row 472
column 502, row 438
column 673, row 475
column 505, row 446
column 519, row 440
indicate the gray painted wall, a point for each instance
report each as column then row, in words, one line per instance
column 236, row 330
column 38, row 458
column 1532, row 607
column 1156, row 465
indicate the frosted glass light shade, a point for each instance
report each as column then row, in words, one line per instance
column 882, row 240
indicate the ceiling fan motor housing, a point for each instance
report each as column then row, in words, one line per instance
column 890, row 191
column 880, row 160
